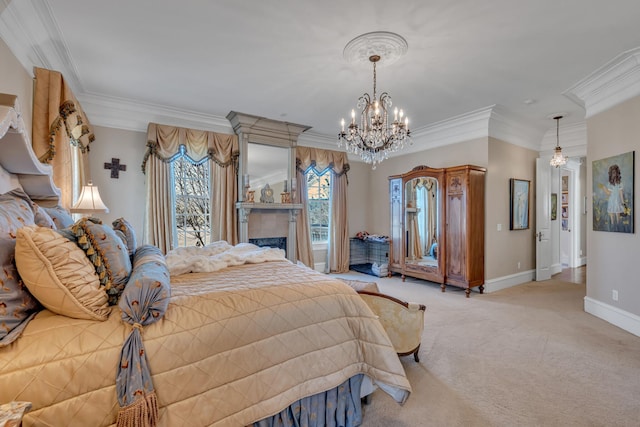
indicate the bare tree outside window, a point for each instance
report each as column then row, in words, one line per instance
column 319, row 208
column 192, row 195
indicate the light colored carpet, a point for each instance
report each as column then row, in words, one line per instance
column 524, row 356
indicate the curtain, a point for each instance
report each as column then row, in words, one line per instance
column 338, row 255
column 338, row 251
column 163, row 143
column 304, row 248
column 61, row 133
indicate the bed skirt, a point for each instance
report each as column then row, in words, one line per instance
column 338, row 407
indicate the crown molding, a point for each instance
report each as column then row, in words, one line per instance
column 515, row 130
column 126, row 114
column 464, row 127
column 34, row 36
column 613, row 83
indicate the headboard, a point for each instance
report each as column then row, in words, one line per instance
column 19, row 166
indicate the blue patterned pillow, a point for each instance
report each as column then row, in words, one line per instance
column 108, row 254
column 17, row 305
column 41, row 217
column 60, row 216
column 129, row 233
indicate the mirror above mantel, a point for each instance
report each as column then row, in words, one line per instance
column 261, row 138
column 267, row 156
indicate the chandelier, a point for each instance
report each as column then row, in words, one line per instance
column 558, row 159
column 373, row 135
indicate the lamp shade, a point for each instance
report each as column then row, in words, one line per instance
column 89, row 201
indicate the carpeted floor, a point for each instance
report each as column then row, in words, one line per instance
column 524, row 356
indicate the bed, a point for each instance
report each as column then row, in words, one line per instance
column 235, row 346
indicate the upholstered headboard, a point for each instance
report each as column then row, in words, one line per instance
column 19, row 166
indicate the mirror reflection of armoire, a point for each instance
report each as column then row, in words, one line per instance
column 437, row 225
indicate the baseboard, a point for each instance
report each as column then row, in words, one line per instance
column 504, row 282
column 620, row 318
column 319, row 266
column 556, row 268
column 582, row 261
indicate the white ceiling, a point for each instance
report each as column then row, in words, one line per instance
column 283, row 59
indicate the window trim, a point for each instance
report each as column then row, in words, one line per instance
column 182, row 155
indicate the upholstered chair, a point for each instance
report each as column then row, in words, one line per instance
column 403, row 321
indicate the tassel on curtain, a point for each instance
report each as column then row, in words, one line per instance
column 338, row 251
column 163, row 143
column 61, row 132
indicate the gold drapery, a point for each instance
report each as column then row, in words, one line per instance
column 61, row 132
column 163, row 142
column 337, row 162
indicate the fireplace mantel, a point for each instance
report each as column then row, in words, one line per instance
column 279, row 221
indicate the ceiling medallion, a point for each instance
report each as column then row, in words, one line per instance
column 373, row 137
column 389, row 46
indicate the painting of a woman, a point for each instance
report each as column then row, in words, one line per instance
column 614, row 190
column 613, row 193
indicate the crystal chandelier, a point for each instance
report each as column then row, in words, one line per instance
column 373, row 137
column 558, row 159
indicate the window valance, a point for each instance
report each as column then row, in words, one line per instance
column 61, row 133
column 164, row 142
column 57, row 116
column 322, row 159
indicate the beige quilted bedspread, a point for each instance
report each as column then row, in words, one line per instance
column 234, row 346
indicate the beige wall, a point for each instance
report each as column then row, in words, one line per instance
column 613, row 257
column 505, row 248
column 358, row 195
column 15, row 80
column 125, row 196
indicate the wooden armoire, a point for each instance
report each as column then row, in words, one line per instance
column 464, row 227
column 457, row 207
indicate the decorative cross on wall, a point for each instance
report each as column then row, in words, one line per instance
column 115, row 167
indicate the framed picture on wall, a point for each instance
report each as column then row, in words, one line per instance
column 613, row 203
column 565, row 198
column 519, row 209
column 565, row 183
column 554, row 206
column 565, row 212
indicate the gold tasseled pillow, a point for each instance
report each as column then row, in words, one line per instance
column 59, row 274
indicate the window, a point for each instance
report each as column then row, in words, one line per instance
column 319, row 204
column 191, row 201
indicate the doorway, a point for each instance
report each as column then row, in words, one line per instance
column 572, row 214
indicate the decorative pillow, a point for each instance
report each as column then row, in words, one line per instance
column 150, row 275
column 60, row 216
column 59, row 274
column 108, row 254
column 17, row 305
column 41, row 217
column 129, row 233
